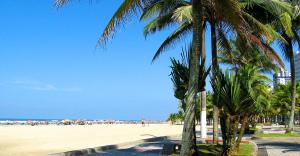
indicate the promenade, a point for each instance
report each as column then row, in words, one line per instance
column 278, row 146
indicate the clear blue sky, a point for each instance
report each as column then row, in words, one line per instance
column 50, row 66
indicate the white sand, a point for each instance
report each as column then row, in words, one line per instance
column 43, row 140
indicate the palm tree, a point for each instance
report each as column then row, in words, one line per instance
column 172, row 118
column 286, row 22
column 188, row 136
column 242, row 53
column 240, row 94
column 248, row 63
column 180, row 78
column 255, row 83
column 183, row 15
column 219, row 19
column 283, row 98
column 130, row 8
column 288, row 51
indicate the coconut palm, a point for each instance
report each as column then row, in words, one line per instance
column 255, row 83
column 242, row 52
column 245, row 53
column 131, row 8
column 286, row 22
column 240, row 94
column 248, row 63
column 182, row 13
column 214, row 14
column 283, row 98
column 288, row 51
column 180, row 78
column 172, row 118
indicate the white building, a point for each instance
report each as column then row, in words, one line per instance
column 283, row 77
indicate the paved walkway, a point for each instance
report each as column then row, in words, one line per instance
column 146, row 149
column 279, row 147
column 150, row 149
column 267, row 147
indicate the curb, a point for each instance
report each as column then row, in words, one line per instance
column 98, row 149
column 274, row 138
column 255, row 148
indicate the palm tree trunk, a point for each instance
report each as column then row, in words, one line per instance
column 232, row 128
column 293, row 81
column 203, row 95
column 242, row 131
column 215, row 68
column 188, row 135
column 225, row 127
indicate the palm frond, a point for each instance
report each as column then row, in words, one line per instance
column 234, row 16
column 158, row 23
column 183, row 14
column 286, row 23
column 177, row 35
column 128, row 9
column 269, row 33
column 151, row 9
column 272, row 54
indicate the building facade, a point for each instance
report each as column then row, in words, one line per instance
column 283, row 77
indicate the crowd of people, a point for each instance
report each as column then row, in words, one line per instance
column 75, row 122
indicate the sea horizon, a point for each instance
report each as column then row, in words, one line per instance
column 59, row 119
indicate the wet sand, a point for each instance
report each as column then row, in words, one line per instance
column 42, row 140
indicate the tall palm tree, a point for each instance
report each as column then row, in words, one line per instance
column 183, row 15
column 216, row 13
column 288, row 51
column 286, row 22
column 188, row 140
column 130, row 8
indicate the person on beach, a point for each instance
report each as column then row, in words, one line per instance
column 143, row 123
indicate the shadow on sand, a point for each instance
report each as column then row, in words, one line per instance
column 152, row 146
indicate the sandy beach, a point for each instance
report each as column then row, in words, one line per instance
column 17, row 140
